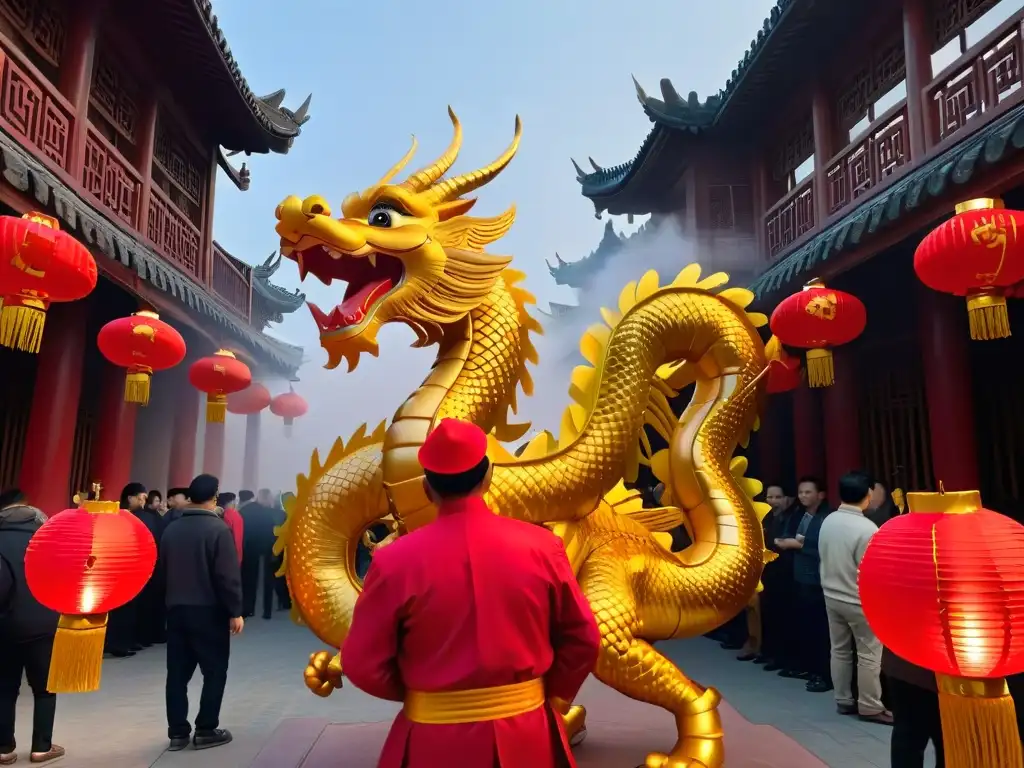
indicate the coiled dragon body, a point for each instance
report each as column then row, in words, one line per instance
column 409, row 253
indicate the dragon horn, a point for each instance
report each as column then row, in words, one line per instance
column 424, row 178
column 399, row 165
column 466, row 183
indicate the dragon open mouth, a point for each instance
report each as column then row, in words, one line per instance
column 370, row 279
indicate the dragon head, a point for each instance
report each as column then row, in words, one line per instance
column 407, row 252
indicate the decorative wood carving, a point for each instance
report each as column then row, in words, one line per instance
column 179, row 162
column 880, row 75
column 949, row 17
column 791, row 218
column 794, row 151
column 42, row 24
column 109, row 179
column 113, row 95
column 980, row 83
column 34, row 114
column 868, row 162
column 731, row 207
column 176, row 237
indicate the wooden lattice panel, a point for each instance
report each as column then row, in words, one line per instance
column 110, row 180
column 42, row 23
column 32, row 112
column 794, row 150
column 113, row 94
column 949, row 17
column 881, row 74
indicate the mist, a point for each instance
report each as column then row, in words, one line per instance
column 339, row 402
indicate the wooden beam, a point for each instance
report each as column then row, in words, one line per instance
column 917, row 47
column 206, row 243
column 824, row 150
column 75, row 77
column 144, row 156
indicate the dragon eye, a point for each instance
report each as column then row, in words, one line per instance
column 383, row 216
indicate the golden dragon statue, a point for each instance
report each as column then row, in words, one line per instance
column 410, row 253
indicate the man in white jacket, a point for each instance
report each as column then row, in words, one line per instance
column 844, row 537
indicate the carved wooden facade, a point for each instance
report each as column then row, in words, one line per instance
column 137, row 161
column 873, row 149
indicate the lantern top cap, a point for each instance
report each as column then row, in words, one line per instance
column 814, row 282
column 945, row 502
column 101, row 507
column 979, row 204
column 147, row 313
column 224, row 353
column 41, row 218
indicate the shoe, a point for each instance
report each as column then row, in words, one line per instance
column 882, row 718
column 178, row 743
column 136, row 647
column 746, row 657
column 119, row 654
column 792, row 674
column 846, row 709
column 55, row 753
column 209, row 739
column 759, row 660
column 267, row 615
column 731, row 646
column 9, row 755
column 772, row 666
column 818, row 685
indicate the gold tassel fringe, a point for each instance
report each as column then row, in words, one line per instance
column 979, row 724
column 77, row 659
column 216, row 409
column 21, row 327
column 820, row 369
column 136, row 388
column 988, row 317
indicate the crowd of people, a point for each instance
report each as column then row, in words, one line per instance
column 215, row 552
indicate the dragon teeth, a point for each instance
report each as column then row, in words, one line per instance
column 372, row 258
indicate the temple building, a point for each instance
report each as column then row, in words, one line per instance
column 114, row 119
column 847, row 132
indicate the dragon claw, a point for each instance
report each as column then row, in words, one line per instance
column 661, row 760
column 323, row 673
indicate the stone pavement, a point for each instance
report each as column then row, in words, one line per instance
column 123, row 726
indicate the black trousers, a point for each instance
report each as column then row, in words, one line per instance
column 196, row 637
column 253, row 580
column 284, row 597
column 150, row 613
column 31, row 658
column 915, row 713
column 811, row 626
column 122, row 627
column 779, row 642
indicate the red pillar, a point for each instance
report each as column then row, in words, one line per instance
column 769, row 445
column 213, row 449
column 49, row 444
column 113, row 441
column 841, row 422
column 251, row 458
column 183, row 443
column 807, row 433
column 942, row 328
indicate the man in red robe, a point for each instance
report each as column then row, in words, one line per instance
column 475, row 622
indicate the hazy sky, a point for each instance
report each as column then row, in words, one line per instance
column 384, row 71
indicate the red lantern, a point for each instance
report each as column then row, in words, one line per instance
column 142, row 343
column 289, row 406
column 250, row 400
column 84, row 563
column 783, row 368
column 218, row 376
column 978, row 254
column 39, row 265
column 815, row 319
column 943, row 587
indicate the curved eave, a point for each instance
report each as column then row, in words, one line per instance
column 282, row 300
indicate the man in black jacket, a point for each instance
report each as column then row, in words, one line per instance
column 204, row 608
column 27, row 630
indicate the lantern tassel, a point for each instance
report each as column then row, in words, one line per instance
column 988, row 316
column 216, row 409
column 820, row 370
column 979, row 723
column 21, row 327
column 77, row 659
column 136, row 387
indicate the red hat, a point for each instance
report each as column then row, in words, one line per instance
column 453, row 447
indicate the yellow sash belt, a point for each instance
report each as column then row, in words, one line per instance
column 474, row 706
